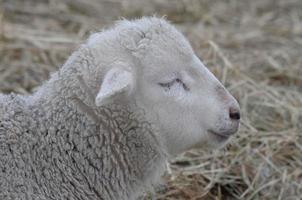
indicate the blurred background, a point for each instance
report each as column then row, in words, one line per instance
column 253, row 47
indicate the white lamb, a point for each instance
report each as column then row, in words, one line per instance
column 104, row 125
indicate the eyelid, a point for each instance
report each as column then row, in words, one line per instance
column 176, row 80
column 168, row 84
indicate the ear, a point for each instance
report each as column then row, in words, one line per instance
column 116, row 81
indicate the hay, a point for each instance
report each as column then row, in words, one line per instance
column 254, row 48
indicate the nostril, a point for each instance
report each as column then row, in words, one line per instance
column 234, row 114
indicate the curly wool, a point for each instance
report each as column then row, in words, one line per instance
column 56, row 144
column 63, row 154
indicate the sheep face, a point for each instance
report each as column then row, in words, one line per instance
column 181, row 96
column 191, row 106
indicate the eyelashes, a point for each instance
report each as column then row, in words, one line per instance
column 168, row 85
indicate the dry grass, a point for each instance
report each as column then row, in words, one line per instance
column 254, row 47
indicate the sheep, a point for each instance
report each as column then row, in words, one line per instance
column 105, row 124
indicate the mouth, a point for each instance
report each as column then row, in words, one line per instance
column 221, row 137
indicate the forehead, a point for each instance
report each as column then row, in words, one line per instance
column 168, row 53
column 166, row 63
column 173, row 43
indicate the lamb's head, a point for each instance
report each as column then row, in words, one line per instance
column 183, row 98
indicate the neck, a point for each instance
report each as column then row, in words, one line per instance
column 113, row 150
column 77, row 150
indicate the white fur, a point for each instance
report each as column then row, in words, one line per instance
column 101, row 127
column 115, row 82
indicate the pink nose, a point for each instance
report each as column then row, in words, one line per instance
column 234, row 113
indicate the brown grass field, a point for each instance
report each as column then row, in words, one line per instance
column 254, row 47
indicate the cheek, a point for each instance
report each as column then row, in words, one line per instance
column 203, row 109
column 179, row 109
column 179, row 120
column 181, row 132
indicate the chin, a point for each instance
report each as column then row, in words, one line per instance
column 217, row 142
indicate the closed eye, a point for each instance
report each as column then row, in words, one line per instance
column 168, row 85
